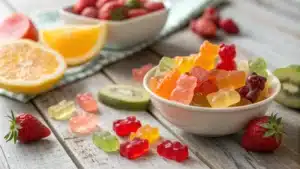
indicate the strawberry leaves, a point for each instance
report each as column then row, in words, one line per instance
column 274, row 127
column 13, row 132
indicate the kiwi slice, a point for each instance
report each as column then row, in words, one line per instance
column 288, row 100
column 290, row 73
column 124, row 97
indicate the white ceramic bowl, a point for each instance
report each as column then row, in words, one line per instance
column 209, row 121
column 127, row 33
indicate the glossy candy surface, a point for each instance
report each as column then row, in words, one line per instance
column 184, row 64
column 83, row 123
column 207, row 56
column 230, row 79
column 146, row 132
column 62, row 111
column 173, row 150
column 123, row 127
column 87, row 102
column 106, row 141
column 134, row 149
column 167, row 84
column 223, row 98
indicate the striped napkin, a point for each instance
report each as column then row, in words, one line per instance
column 181, row 11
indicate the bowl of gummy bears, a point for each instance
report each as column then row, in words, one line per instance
column 209, row 93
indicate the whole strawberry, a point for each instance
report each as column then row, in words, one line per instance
column 26, row 128
column 204, row 27
column 229, row 26
column 113, row 10
column 212, row 14
column 263, row 134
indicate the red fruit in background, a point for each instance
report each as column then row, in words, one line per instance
column 153, row 6
column 91, row 12
column 81, row 4
column 204, row 27
column 26, row 128
column 212, row 14
column 263, row 134
column 227, row 52
column 229, row 26
column 18, row 26
column 136, row 12
column 100, row 3
column 226, row 65
column 113, row 10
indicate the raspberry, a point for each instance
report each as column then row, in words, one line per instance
column 228, row 65
column 91, row 12
column 204, row 27
column 212, row 14
column 227, row 52
column 229, row 26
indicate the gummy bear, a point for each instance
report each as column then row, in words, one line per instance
column 206, row 87
column 153, row 83
column 200, row 73
column 184, row 64
column 167, row 84
column 146, row 132
column 230, row 79
column 243, row 66
column 200, row 100
column 223, row 98
column 139, row 73
column 207, row 56
column 106, row 141
column 135, row 148
column 258, row 66
column 184, row 90
column 242, row 102
column 124, row 127
column 62, row 111
column 87, row 102
column 165, row 65
column 83, row 123
column 227, row 54
column 173, row 150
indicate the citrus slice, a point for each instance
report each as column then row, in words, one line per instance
column 28, row 67
column 77, row 44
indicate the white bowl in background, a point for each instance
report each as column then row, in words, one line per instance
column 126, row 33
column 209, row 121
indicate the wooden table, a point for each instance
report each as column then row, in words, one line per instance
column 270, row 29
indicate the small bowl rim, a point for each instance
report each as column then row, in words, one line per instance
column 209, row 109
column 126, row 21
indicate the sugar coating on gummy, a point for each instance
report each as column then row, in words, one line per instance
column 173, row 150
column 124, row 97
column 134, row 149
column 87, row 102
column 106, row 141
column 123, row 127
column 146, row 132
column 62, row 111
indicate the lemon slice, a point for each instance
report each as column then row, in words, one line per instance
column 76, row 43
column 28, row 67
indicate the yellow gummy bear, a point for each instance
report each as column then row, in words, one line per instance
column 185, row 64
column 62, row 111
column 223, row 98
column 146, row 132
column 207, row 56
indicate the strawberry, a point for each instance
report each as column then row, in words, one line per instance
column 204, row 27
column 212, row 14
column 229, row 26
column 153, row 6
column 133, row 4
column 113, row 10
column 100, row 3
column 263, row 134
column 132, row 13
column 90, row 11
column 26, row 128
column 81, row 4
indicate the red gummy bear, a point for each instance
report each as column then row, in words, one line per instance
column 227, row 54
column 230, row 65
column 134, row 149
column 124, row 127
column 173, row 150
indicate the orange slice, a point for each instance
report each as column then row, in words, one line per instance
column 77, row 44
column 28, row 67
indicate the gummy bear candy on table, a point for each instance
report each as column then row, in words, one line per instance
column 167, row 84
column 62, row 111
column 106, row 141
column 146, row 132
column 135, row 148
column 139, row 73
column 223, row 98
column 258, row 66
column 123, row 127
column 87, row 102
column 227, row 55
column 153, row 83
column 230, row 79
column 207, row 56
column 165, row 65
column 205, row 81
column 184, row 63
column 184, row 90
column 173, row 150
column 254, row 85
column 84, row 123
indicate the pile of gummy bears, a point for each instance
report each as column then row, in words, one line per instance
column 197, row 80
column 141, row 137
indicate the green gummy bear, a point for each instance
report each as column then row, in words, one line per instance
column 259, row 66
column 166, row 64
column 106, row 141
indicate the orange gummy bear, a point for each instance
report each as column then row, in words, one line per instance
column 230, row 79
column 168, row 83
column 153, row 83
column 207, row 56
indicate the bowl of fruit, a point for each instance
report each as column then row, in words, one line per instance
column 129, row 21
column 201, row 98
